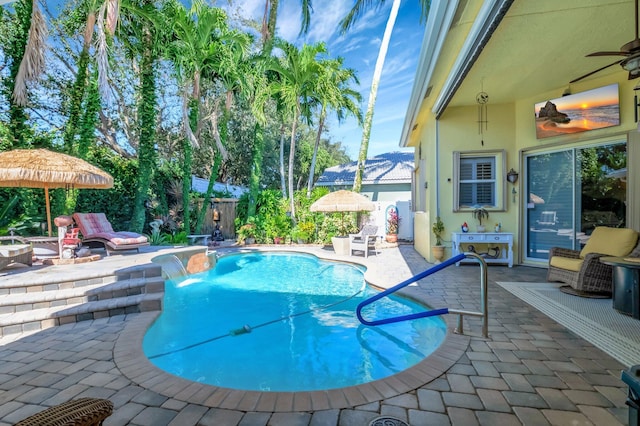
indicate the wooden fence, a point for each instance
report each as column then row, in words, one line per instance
column 224, row 209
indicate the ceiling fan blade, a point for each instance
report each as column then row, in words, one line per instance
column 593, row 72
column 620, row 53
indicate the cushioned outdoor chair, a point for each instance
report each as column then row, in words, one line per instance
column 583, row 271
column 97, row 232
column 14, row 249
column 363, row 240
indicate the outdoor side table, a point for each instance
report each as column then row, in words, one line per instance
column 626, row 284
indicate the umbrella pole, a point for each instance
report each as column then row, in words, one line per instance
column 46, row 200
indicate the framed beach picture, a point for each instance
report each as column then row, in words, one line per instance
column 590, row 110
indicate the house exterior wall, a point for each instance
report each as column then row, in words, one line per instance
column 511, row 127
column 387, row 192
column 457, row 130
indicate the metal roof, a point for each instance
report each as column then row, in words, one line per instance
column 384, row 169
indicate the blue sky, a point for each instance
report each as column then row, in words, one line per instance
column 360, row 48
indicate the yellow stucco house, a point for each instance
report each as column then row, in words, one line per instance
column 499, row 89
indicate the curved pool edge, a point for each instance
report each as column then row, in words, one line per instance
column 133, row 364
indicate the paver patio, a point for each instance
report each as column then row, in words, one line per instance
column 530, row 371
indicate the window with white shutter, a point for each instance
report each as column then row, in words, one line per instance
column 477, row 180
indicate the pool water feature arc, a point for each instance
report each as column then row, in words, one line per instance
column 313, row 340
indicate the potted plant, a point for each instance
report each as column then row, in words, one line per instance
column 392, row 226
column 303, row 232
column 480, row 213
column 247, row 233
column 438, row 249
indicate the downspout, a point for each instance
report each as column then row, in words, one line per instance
column 437, row 155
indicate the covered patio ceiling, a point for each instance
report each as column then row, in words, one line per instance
column 541, row 45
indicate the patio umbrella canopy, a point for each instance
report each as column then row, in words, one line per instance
column 41, row 168
column 342, row 201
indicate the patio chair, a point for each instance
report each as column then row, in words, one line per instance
column 548, row 219
column 363, row 240
column 582, row 270
column 18, row 250
column 97, row 232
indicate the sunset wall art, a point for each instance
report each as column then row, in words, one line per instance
column 590, row 110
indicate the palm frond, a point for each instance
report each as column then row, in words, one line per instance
column 307, row 8
column 112, row 15
column 102, row 56
column 32, row 64
column 358, row 9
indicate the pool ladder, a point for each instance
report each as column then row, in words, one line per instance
column 461, row 313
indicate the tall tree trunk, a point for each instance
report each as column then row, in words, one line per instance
column 15, row 52
column 220, row 134
column 292, row 156
column 147, row 115
column 312, row 168
column 189, row 141
column 268, row 31
column 368, row 118
column 283, row 184
column 79, row 88
column 86, row 130
column 90, row 119
column 207, row 197
column 256, row 169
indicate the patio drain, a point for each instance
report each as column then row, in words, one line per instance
column 387, row 421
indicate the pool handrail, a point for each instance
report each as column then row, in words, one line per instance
column 459, row 329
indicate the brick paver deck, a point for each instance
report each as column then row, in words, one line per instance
column 529, row 371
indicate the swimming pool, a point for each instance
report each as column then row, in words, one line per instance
column 283, row 322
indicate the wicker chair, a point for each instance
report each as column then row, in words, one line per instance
column 18, row 250
column 77, row 412
column 582, row 270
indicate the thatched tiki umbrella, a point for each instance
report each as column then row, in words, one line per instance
column 41, row 168
column 341, row 202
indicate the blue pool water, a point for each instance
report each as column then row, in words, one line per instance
column 284, row 322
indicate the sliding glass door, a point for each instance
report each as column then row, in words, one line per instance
column 570, row 192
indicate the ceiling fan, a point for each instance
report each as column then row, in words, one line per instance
column 630, row 51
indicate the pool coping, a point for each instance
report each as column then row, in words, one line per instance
column 133, row 364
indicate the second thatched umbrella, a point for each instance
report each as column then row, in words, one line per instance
column 41, row 168
column 342, row 201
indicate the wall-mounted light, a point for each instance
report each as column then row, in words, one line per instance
column 512, row 176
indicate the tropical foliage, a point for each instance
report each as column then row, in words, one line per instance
column 154, row 92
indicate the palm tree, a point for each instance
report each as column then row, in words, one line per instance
column 141, row 39
column 334, row 93
column 268, row 36
column 270, row 17
column 296, row 75
column 194, row 34
column 230, row 66
column 357, row 10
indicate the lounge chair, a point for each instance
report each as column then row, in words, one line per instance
column 98, row 232
column 18, row 250
column 582, row 270
column 363, row 240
